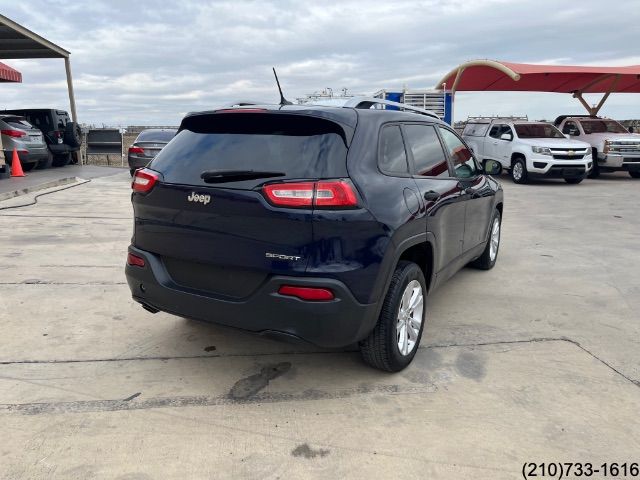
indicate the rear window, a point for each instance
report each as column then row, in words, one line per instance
column 156, row 136
column 602, row 126
column 40, row 120
column 18, row 122
column 537, row 130
column 301, row 147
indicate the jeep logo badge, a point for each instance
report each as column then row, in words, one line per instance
column 199, row 198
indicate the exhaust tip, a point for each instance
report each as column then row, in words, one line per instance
column 149, row 308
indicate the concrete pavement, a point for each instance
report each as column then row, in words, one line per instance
column 536, row 360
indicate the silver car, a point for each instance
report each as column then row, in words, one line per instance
column 147, row 145
column 27, row 140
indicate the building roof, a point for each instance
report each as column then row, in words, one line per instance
column 17, row 41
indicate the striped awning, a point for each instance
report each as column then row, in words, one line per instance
column 8, row 74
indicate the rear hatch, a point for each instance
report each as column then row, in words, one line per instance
column 33, row 136
column 217, row 231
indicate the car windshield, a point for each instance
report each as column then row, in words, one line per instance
column 476, row 129
column 156, row 136
column 602, row 126
column 538, row 130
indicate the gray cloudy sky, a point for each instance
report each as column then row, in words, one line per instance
column 150, row 62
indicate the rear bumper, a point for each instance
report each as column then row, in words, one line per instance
column 336, row 323
column 26, row 156
column 61, row 148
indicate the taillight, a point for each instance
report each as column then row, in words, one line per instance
column 144, row 180
column 313, row 294
column 14, row 133
column 136, row 150
column 135, row 260
column 326, row 193
column 290, row 194
column 335, row 194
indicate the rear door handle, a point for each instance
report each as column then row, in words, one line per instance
column 431, row 196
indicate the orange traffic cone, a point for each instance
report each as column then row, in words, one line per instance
column 16, row 166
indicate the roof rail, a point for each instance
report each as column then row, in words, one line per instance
column 498, row 117
column 368, row 102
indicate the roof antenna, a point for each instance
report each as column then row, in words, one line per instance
column 283, row 101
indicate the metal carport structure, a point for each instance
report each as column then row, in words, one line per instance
column 492, row 75
column 17, row 41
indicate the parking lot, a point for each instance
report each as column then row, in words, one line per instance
column 536, row 360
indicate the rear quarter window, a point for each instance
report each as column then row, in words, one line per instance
column 301, row 147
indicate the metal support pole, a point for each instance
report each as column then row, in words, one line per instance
column 584, row 103
column 72, row 98
column 613, row 86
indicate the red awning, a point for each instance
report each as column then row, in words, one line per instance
column 489, row 75
column 8, row 74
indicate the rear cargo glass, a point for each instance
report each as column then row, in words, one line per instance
column 156, row 136
column 300, row 147
column 18, row 122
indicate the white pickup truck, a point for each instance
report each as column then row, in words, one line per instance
column 612, row 145
column 528, row 149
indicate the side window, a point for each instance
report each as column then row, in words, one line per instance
column 428, row 156
column 570, row 128
column 495, row 131
column 507, row 129
column 463, row 162
column 393, row 157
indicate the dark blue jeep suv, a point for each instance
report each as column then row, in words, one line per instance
column 327, row 224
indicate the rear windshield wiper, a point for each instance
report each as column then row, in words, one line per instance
column 221, row 176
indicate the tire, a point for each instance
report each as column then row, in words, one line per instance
column 487, row 260
column 27, row 167
column 519, row 170
column 380, row 349
column 595, row 170
column 573, row 181
column 635, row 174
column 61, row 160
column 42, row 164
column 72, row 135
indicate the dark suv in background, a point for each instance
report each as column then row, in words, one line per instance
column 327, row 224
column 63, row 137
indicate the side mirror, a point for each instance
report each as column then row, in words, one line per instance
column 506, row 136
column 491, row 167
column 630, row 129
